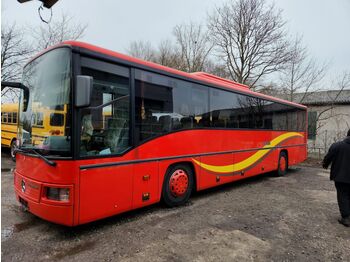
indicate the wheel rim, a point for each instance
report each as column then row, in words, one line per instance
column 178, row 183
column 283, row 164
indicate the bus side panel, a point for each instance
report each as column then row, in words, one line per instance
column 145, row 183
column 296, row 155
column 5, row 141
column 104, row 192
column 212, row 178
column 8, row 133
column 209, row 179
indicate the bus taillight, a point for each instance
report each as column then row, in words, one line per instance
column 55, row 132
column 57, row 194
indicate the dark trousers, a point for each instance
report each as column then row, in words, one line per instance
column 343, row 196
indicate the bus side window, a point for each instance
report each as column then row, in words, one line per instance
column 4, row 118
column 107, row 121
column 9, row 120
column 40, row 119
column 14, row 118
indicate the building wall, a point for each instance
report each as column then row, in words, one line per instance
column 332, row 126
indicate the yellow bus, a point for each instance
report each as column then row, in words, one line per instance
column 9, row 121
column 45, row 123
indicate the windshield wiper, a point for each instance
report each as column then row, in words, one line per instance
column 28, row 150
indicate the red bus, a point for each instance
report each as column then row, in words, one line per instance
column 136, row 133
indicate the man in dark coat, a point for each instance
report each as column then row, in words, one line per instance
column 339, row 156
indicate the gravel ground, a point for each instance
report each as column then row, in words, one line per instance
column 292, row 218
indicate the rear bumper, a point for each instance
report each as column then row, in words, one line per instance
column 36, row 204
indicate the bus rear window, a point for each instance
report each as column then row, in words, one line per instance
column 56, row 119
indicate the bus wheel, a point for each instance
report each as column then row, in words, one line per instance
column 13, row 146
column 282, row 164
column 177, row 186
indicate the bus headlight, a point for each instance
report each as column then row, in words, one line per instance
column 58, row 194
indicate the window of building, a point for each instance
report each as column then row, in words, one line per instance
column 312, row 124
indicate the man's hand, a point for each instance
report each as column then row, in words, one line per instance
column 324, row 165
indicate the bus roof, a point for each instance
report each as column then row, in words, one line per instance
column 9, row 107
column 197, row 76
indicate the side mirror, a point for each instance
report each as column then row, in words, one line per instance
column 83, row 90
column 20, row 86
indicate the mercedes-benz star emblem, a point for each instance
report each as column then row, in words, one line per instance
column 23, row 186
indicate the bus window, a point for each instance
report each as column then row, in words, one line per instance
column 14, row 119
column 164, row 104
column 105, row 127
column 56, row 119
column 37, row 119
column 9, row 118
column 4, row 117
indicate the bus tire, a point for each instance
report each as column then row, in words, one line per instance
column 282, row 164
column 177, row 185
column 13, row 146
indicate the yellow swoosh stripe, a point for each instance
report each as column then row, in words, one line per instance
column 250, row 160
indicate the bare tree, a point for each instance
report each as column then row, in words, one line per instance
column 189, row 52
column 250, row 38
column 65, row 28
column 194, row 45
column 216, row 69
column 166, row 53
column 142, row 50
column 169, row 55
column 342, row 83
column 15, row 50
column 301, row 73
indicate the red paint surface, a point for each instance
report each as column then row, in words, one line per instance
column 102, row 192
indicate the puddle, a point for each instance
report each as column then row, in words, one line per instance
column 6, row 233
column 23, row 226
column 16, row 228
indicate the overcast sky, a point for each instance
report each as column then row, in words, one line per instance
column 324, row 24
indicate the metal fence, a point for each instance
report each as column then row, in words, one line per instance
column 316, row 152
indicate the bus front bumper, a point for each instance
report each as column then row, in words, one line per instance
column 30, row 194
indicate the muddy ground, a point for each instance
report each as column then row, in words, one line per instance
column 293, row 218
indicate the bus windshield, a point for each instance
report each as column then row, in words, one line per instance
column 45, row 125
